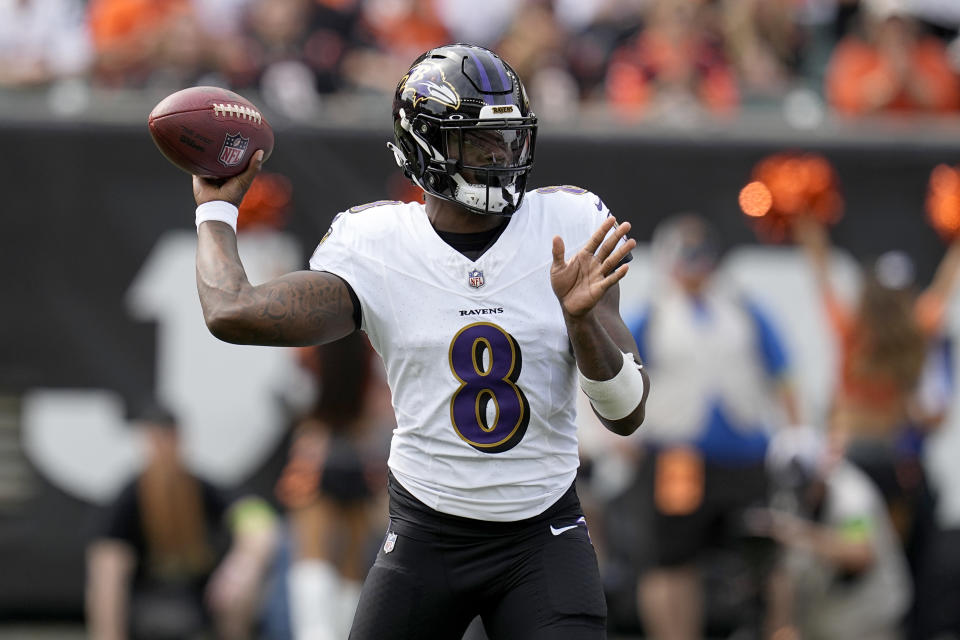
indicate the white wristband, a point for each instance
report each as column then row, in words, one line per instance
column 617, row 397
column 218, row 210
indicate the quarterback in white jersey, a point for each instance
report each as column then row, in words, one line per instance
column 476, row 352
column 488, row 305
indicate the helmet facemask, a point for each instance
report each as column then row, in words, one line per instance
column 479, row 163
column 488, row 163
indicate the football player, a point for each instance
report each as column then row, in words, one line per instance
column 487, row 305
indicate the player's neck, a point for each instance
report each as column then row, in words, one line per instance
column 448, row 216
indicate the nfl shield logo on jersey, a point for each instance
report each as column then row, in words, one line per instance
column 475, row 278
column 390, row 542
column 233, row 149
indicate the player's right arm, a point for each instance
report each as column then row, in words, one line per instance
column 300, row 308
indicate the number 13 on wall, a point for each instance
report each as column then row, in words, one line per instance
column 488, row 411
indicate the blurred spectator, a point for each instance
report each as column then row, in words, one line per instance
column 335, row 475
column 42, row 41
column 765, row 42
column 336, row 28
column 184, row 53
column 534, row 45
column 400, row 30
column 175, row 559
column 169, row 44
column 127, row 36
column 292, row 51
column 893, row 67
column 273, row 56
column 823, row 23
column 721, row 375
column 405, row 28
column 943, row 14
column 221, row 19
column 590, row 46
column 843, row 574
column 884, row 341
column 846, row 14
column 675, row 68
column 461, row 19
column 532, row 40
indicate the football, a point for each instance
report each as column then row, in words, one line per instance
column 209, row 131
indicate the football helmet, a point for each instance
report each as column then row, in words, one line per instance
column 463, row 128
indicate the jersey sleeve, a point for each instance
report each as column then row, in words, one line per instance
column 353, row 250
column 334, row 248
column 337, row 254
column 583, row 208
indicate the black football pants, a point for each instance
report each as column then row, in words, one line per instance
column 531, row 580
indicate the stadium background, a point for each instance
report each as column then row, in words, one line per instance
column 91, row 209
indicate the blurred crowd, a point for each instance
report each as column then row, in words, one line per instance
column 672, row 59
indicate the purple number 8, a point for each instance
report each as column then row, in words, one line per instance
column 487, row 361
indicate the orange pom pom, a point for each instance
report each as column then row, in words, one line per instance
column 943, row 201
column 786, row 185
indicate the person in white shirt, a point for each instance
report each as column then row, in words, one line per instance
column 843, row 573
column 485, row 321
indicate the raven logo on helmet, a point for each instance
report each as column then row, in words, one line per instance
column 427, row 82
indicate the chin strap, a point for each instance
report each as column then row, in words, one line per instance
column 475, row 195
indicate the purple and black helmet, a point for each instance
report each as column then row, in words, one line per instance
column 463, row 128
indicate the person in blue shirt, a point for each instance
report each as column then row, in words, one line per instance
column 723, row 386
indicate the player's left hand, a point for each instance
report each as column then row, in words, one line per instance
column 579, row 283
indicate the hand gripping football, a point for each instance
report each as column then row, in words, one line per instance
column 209, row 131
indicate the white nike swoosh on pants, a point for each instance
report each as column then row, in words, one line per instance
column 557, row 532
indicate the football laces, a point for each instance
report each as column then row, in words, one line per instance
column 231, row 110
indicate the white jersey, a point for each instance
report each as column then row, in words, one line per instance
column 476, row 352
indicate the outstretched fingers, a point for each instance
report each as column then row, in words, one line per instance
column 613, row 278
column 618, row 254
column 610, row 243
column 597, row 238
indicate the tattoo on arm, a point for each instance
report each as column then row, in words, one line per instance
column 299, row 308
